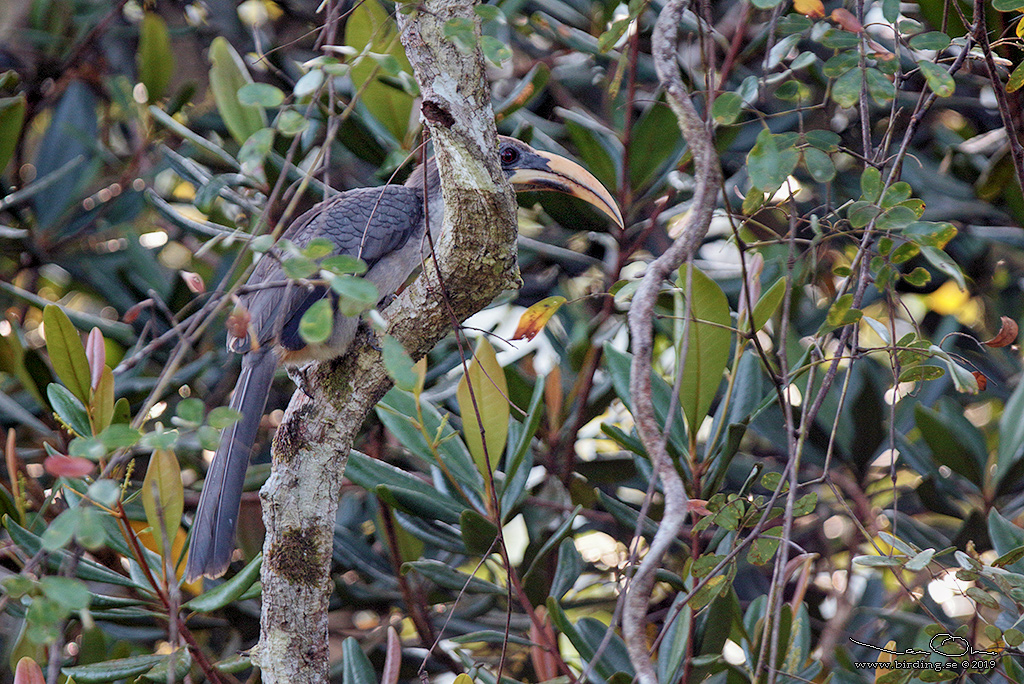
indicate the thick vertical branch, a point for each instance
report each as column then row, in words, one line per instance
column 477, row 260
column 708, row 178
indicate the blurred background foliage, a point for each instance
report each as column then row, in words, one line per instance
column 143, row 146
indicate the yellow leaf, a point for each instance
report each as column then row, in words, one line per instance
column 145, row 535
column 484, row 421
column 810, row 8
column 885, row 657
column 536, row 317
column 163, row 497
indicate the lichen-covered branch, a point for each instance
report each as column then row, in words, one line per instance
column 476, row 258
column 708, row 177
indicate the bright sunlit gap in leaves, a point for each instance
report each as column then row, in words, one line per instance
column 950, row 593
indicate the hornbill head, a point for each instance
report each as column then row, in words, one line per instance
column 530, row 169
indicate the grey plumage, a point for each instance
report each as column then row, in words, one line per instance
column 384, row 227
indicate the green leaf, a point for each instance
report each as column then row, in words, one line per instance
column 460, row 31
column 155, row 57
column 485, row 420
column 708, row 349
column 260, row 95
column 878, row 561
column 102, row 405
column 308, row 84
column 895, row 194
column 846, row 89
column 317, row 322
column 370, row 28
column 819, row 165
column 12, row 118
column 897, row 218
column 840, row 63
column 568, row 569
column 356, row 667
column 880, row 88
column 399, row 364
column 861, row 213
column 920, row 561
column 767, row 165
column 299, row 267
column 368, row 473
column 944, row 264
column 727, row 108
column 841, row 313
column 71, row 594
column 61, row 531
column 1008, row 5
column 1013, row 84
column 163, row 498
column 607, row 40
column 495, row 50
column 946, row 445
column 768, row 304
column 765, row 546
column 222, row 417
column 291, row 123
column 355, row 294
column 931, row 234
column 226, row 593
column 67, row 353
column 826, row 141
column 256, row 148
column 341, row 264
column 1011, row 433
column 448, row 577
column 228, row 75
column 113, row 670
column 478, row 533
column 68, row 408
column 932, row 40
column 870, row 184
column 938, row 79
column 427, row 505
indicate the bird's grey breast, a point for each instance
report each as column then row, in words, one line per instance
column 381, row 226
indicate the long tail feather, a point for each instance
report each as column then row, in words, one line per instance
column 213, row 530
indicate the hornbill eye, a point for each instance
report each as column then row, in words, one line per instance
column 509, row 155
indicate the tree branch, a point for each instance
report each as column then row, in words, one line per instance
column 708, row 177
column 476, row 257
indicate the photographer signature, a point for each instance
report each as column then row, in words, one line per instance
column 939, row 641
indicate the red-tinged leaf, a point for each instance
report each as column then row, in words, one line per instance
column 96, row 354
column 982, row 380
column 536, row 317
column 132, row 314
column 68, row 466
column 194, row 282
column 485, row 411
column 545, row 664
column 163, row 497
column 28, row 672
column 1007, row 334
column 846, row 20
column 553, row 398
column 67, row 354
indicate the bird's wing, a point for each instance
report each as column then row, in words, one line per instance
column 368, row 223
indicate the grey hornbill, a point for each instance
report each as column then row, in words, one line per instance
column 386, row 228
